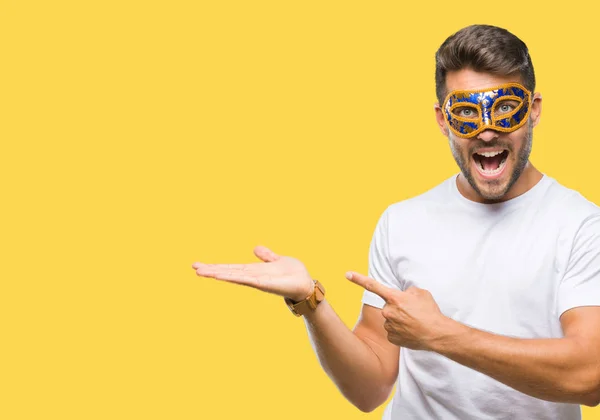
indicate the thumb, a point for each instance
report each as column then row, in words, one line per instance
column 265, row 254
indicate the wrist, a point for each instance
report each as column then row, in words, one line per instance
column 304, row 295
column 450, row 332
column 310, row 303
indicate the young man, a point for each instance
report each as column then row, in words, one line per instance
column 482, row 299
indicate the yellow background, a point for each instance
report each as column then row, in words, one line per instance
column 138, row 137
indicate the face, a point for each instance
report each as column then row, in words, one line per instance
column 492, row 158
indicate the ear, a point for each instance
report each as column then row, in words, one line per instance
column 441, row 121
column 536, row 109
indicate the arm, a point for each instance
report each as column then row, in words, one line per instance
column 561, row 369
column 362, row 363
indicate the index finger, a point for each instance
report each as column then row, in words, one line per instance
column 371, row 285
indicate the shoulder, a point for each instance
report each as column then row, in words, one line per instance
column 570, row 204
column 433, row 198
column 414, row 213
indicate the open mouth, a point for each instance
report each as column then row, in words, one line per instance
column 490, row 163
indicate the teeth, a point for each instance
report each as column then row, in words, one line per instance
column 490, row 154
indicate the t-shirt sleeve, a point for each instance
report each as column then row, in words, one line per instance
column 580, row 285
column 379, row 262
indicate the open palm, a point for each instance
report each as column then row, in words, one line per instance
column 281, row 275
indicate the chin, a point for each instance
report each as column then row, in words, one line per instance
column 492, row 194
column 491, row 188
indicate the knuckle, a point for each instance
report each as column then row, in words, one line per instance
column 386, row 311
column 394, row 299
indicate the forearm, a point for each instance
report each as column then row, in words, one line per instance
column 550, row 369
column 350, row 362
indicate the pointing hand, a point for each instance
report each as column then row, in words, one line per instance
column 412, row 318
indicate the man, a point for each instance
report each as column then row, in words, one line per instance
column 482, row 299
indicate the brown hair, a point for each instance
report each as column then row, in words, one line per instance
column 483, row 48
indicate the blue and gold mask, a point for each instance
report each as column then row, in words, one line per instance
column 502, row 108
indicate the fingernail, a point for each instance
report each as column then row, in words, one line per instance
column 349, row 275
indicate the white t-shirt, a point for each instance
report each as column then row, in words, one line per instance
column 509, row 268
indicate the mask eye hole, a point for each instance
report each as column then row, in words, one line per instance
column 466, row 112
column 505, row 107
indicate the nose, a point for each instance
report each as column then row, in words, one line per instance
column 488, row 135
